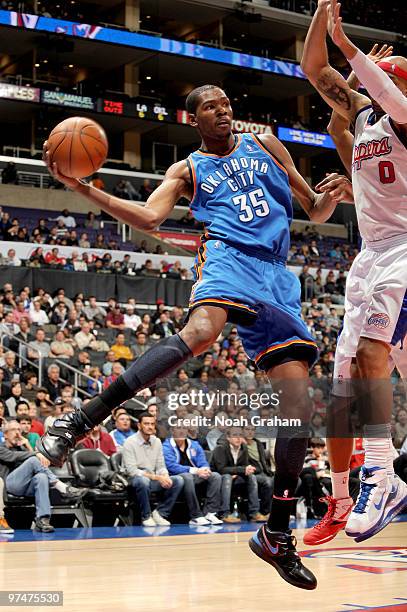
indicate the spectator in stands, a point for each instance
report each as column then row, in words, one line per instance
column 107, row 366
column 131, row 318
column 42, row 228
column 72, row 323
column 84, row 241
column 245, row 377
column 100, row 242
column 320, row 381
column 12, row 260
column 177, row 318
column 27, row 473
column 86, row 339
column 5, row 224
column 122, row 430
column 10, row 369
column 98, row 439
column 231, row 459
column 94, row 312
column 67, row 219
column 8, row 327
column 60, row 314
column 164, row 326
column 340, row 282
column 146, row 190
column 60, row 348
column 306, row 279
column 121, row 351
column 141, row 345
column 91, row 222
column 9, row 174
column 13, row 229
column 31, row 436
column 330, row 283
column 61, row 297
column 127, row 266
column 39, row 346
column 144, row 462
column 67, row 397
column 187, row 459
column 95, row 386
column 115, row 318
column 333, row 320
column 38, row 316
column 53, row 383
column 20, row 311
column 318, row 427
column 16, row 396
column 120, row 190
column 30, row 386
column 53, row 259
column 36, row 425
column 147, row 269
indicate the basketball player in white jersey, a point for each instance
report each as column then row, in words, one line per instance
column 376, row 306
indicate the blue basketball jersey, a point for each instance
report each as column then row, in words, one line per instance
column 243, row 198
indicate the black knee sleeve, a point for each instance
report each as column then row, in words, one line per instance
column 157, row 362
column 289, row 454
column 102, row 405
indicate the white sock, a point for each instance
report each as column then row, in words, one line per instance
column 340, row 484
column 379, row 451
column 60, row 486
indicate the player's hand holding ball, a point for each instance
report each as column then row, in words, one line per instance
column 75, row 149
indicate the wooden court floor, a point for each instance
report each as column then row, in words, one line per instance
column 207, row 573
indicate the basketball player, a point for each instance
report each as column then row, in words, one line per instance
column 240, row 187
column 375, row 304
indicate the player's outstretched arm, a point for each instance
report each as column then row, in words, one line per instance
column 376, row 81
column 329, row 83
column 338, row 127
column 148, row 217
column 319, row 207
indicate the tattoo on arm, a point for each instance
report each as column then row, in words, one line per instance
column 332, row 90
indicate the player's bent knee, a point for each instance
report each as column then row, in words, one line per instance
column 371, row 357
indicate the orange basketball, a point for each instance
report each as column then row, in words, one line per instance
column 78, row 146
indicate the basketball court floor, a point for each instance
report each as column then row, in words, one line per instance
column 207, row 569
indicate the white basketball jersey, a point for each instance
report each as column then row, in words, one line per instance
column 379, row 178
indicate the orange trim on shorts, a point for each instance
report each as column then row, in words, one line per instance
column 236, row 145
column 226, row 302
column 275, row 160
column 283, row 345
column 202, row 262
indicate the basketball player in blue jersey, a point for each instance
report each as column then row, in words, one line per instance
column 241, row 188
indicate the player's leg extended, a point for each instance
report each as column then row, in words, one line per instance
column 273, row 542
column 202, row 329
column 382, row 494
column 340, row 447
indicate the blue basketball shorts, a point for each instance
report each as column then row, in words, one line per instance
column 262, row 298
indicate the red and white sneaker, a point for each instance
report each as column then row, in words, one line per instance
column 334, row 520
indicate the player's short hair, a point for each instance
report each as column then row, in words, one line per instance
column 192, row 100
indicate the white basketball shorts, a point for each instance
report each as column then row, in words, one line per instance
column 375, row 307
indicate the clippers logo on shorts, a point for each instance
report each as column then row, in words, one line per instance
column 380, row 320
column 369, row 150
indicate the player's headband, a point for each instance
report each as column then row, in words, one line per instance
column 393, row 69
